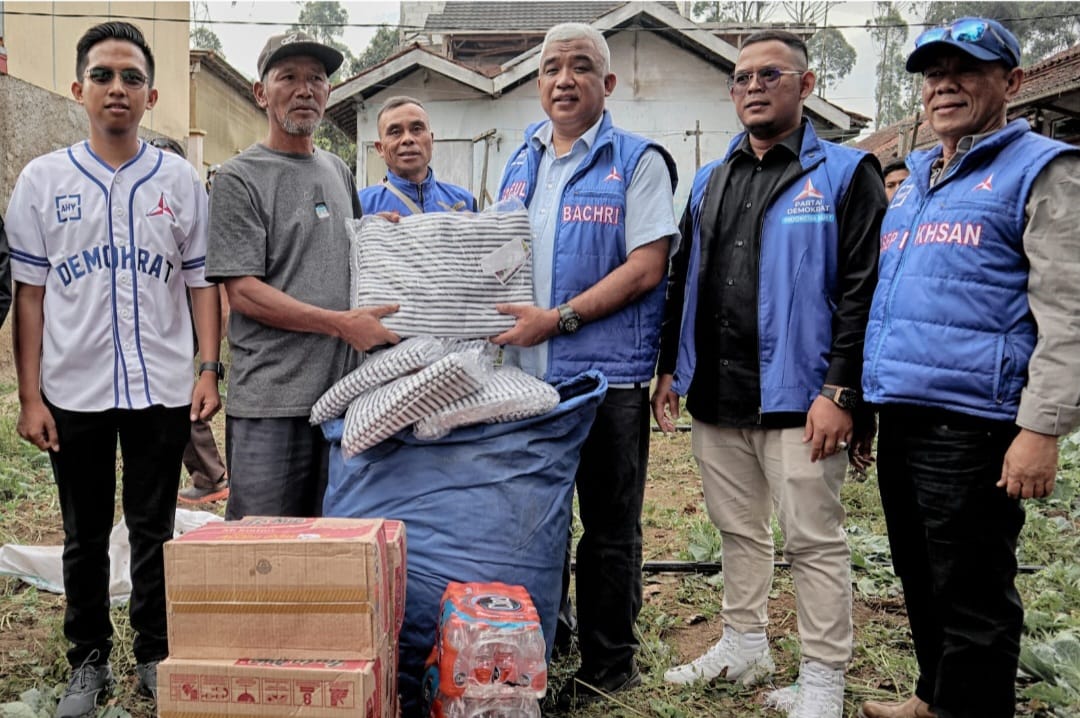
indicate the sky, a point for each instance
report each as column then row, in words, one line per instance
column 242, row 41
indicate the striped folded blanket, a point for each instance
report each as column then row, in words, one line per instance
column 509, row 395
column 376, row 369
column 379, row 413
column 439, row 267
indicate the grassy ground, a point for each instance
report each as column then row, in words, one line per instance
column 680, row 615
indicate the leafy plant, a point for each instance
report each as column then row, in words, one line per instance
column 1056, row 665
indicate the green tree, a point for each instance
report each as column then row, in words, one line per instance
column 832, row 55
column 743, row 13
column 896, row 91
column 203, row 38
column 1043, row 28
column 326, row 21
column 382, row 45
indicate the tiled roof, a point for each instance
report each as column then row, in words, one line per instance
column 517, row 16
column 1056, row 74
column 1051, row 77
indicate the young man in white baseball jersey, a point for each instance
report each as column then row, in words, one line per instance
column 107, row 238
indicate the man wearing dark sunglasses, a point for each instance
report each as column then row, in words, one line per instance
column 763, row 334
column 108, row 240
column 972, row 358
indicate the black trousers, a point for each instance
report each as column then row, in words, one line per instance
column 277, row 467
column 953, row 535
column 611, row 489
column 151, row 444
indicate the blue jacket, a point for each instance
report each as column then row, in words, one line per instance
column 590, row 242
column 798, row 287
column 429, row 195
column 950, row 325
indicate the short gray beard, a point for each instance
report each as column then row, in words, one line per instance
column 300, row 129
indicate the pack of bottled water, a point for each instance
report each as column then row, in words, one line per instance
column 488, row 659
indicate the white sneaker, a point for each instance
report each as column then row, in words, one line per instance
column 819, row 693
column 733, row 657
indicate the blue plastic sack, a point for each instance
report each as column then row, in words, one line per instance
column 490, row 502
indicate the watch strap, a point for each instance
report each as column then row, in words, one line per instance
column 214, row 366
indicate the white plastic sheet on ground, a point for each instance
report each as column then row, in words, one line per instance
column 40, row 566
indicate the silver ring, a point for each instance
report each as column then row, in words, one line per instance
column 841, row 445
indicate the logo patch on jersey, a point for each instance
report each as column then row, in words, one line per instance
column 809, row 207
column 613, row 175
column 987, row 184
column 68, row 207
column 321, row 210
column 161, row 208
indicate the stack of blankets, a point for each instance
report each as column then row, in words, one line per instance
column 447, row 271
column 434, row 385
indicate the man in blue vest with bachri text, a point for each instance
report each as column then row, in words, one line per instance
column 601, row 207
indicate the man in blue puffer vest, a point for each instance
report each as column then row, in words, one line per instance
column 973, row 359
column 601, row 205
column 405, row 143
column 763, row 330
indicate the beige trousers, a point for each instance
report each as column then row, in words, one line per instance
column 748, row 473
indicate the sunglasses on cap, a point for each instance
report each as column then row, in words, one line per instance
column 967, row 30
column 132, row 79
column 768, row 77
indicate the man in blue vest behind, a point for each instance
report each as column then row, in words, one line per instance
column 405, row 144
column 763, row 330
column 973, row 360
column 601, row 204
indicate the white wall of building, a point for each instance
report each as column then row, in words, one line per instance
column 661, row 92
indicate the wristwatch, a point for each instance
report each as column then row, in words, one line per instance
column 214, row 366
column 569, row 320
column 842, row 396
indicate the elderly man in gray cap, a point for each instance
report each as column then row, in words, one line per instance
column 278, row 243
column 972, row 357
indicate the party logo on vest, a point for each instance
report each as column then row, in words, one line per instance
column 986, row 185
column 613, row 175
column 809, row 206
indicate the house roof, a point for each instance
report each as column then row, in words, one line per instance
column 1045, row 81
column 215, row 64
column 515, row 17
column 652, row 16
column 1051, row 77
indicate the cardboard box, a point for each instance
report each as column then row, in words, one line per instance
column 279, row 588
column 395, row 551
column 262, row 687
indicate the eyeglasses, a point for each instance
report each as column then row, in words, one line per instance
column 768, row 77
column 968, row 30
column 132, row 79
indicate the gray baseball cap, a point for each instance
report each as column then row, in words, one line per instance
column 298, row 42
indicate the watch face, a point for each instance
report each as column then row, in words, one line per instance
column 847, row 398
column 570, row 324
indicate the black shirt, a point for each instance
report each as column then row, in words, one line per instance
column 726, row 388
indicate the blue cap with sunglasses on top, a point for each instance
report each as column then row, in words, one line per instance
column 983, row 39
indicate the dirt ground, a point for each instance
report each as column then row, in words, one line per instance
column 673, row 490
